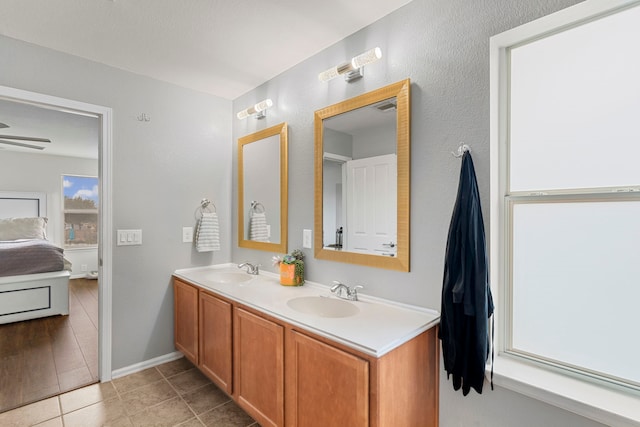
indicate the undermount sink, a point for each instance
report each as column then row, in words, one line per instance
column 228, row 277
column 323, row 306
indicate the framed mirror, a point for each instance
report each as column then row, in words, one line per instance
column 262, row 190
column 362, row 174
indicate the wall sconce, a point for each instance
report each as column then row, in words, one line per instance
column 259, row 110
column 352, row 70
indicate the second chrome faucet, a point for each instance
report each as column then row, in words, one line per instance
column 343, row 291
column 251, row 268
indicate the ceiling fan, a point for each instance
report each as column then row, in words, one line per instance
column 14, row 140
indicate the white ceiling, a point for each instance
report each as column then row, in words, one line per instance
column 221, row 47
column 71, row 135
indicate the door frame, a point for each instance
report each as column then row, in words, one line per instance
column 105, row 241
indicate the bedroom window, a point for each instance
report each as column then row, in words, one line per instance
column 565, row 197
column 81, row 201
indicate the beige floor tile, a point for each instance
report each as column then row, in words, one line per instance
column 168, row 413
column 205, row 398
column 55, row 422
column 31, row 414
column 120, row 422
column 77, row 377
column 188, row 381
column 99, row 414
column 174, row 367
column 193, row 422
column 86, row 396
column 227, row 415
column 136, row 380
column 149, row 395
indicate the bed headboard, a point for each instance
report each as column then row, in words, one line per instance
column 14, row 204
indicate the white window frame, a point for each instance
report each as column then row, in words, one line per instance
column 590, row 399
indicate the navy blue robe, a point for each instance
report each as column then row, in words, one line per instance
column 466, row 297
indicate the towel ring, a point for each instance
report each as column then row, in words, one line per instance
column 255, row 206
column 205, row 206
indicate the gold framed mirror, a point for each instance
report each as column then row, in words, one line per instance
column 362, row 174
column 263, row 190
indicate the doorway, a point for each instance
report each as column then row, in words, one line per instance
column 82, row 291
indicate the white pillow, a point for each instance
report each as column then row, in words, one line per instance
column 23, row 228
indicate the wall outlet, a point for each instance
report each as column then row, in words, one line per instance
column 187, row 234
column 83, row 267
column 306, row 239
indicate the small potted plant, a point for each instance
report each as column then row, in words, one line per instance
column 291, row 268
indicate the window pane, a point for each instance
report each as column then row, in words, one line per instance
column 80, row 230
column 575, row 103
column 576, row 284
column 80, row 211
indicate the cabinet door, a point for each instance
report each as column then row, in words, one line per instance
column 185, row 323
column 215, row 340
column 325, row 386
column 259, row 367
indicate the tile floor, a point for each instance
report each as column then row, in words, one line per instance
column 172, row 394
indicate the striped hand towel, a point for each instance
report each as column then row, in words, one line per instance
column 208, row 233
column 258, row 227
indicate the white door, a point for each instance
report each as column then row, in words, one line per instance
column 372, row 205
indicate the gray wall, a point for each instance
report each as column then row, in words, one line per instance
column 443, row 47
column 161, row 171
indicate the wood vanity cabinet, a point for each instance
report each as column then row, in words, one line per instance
column 215, row 343
column 283, row 375
column 259, row 367
column 185, row 325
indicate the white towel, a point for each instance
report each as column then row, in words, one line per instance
column 208, row 233
column 258, row 227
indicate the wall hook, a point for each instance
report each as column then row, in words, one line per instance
column 143, row 117
column 462, row 148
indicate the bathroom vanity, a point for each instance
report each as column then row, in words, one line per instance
column 298, row 356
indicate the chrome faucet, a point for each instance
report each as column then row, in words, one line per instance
column 343, row 291
column 251, row 269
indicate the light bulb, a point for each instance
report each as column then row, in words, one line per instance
column 366, row 58
column 328, row 75
column 263, row 105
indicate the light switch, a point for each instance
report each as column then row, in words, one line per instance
column 306, row 239
column 187, row 234
column 129, row 237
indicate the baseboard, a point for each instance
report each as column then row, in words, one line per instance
column 137, row 367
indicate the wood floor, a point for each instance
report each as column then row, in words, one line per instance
column 45, row 357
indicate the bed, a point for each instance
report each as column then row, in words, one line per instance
column 34, row 276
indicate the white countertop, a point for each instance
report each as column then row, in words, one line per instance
column 379, row 326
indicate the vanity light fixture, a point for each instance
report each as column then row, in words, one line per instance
column 352, row 70
column 257, row 109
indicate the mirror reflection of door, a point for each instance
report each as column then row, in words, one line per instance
column 371, row 205
column 261, row 166
column 360, row 181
